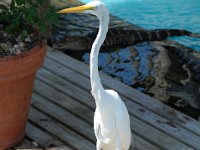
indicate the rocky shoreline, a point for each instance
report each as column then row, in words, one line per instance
column 156, row 66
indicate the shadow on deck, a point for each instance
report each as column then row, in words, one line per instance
column 62, row 111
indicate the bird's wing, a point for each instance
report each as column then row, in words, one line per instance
column 98, row 134
column 98, row 129
column 123, row 125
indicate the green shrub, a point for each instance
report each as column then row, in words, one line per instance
column 27, row 17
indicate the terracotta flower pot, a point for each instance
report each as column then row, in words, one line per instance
column 17, row 74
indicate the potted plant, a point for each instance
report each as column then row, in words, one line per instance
column 24, row 25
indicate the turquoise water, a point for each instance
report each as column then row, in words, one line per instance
column 153, row 14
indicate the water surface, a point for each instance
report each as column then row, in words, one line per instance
column 154, row 14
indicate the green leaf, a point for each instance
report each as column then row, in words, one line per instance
column 22, row 16
column 25, row 32
column 20, row 2
column 12, row 5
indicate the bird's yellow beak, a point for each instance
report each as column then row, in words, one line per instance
column 78, row 9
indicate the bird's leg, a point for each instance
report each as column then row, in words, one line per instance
column 118, row 145
column 99, row 145
column 132, row 147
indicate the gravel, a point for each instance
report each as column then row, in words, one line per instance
column 11, row 45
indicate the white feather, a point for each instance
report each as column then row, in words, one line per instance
column 111, row 119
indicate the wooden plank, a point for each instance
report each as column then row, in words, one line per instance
column 62, row 85
column 37, row 139
column 73, row 106
column 153, row 119
column 134, row 109
column 24, row 144
column 63, row 133
column 66, row 102
column 61, row 115
column 126, row 91
column 141, row 144
column 40, row 137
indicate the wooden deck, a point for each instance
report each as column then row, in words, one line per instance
column 62, row 112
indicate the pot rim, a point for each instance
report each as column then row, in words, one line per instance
column 23, row 54
column 13, row 67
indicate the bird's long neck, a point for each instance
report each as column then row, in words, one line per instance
column 94, row 74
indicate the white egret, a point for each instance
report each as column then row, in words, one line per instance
column 111, row 119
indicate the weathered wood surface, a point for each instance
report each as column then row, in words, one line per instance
column 62, row 111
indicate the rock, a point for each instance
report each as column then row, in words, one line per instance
column 6, row 46
column 21, row 45
column 28, row 39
